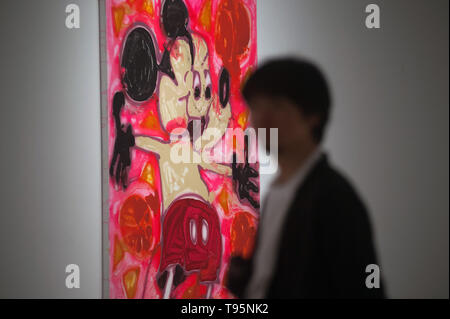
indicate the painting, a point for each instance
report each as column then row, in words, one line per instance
column 182, row 192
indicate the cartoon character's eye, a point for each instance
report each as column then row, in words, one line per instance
column 224, row 87
column 197, row 85
column 193, row 231
column 205, row 231
column 208, row 86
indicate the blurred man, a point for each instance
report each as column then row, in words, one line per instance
column 314, row 239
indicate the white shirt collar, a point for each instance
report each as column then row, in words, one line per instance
column 300, row 174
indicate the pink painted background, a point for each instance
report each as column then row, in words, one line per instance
column 133, row 268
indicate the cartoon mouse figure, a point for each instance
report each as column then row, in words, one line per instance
column 191, row 239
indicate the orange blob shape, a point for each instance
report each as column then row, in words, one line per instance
column 130, row 280
column 242, row 119
column 195, row 290
column 147, row 6
column 223, row 200
column 205, row 15
column 148, row 175
column 151, row 122
column 243, row 232
column 118, row 14
column 232, row 35
column 118, row 252
column 136, row 220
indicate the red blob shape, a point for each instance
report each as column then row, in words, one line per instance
column 243, row 233
column 138, row 225
column 232, row 36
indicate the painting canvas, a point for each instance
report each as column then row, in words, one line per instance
column 182, row 196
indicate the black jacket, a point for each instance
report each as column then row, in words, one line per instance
column 325, row 246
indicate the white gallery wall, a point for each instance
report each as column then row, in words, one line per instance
column 389, row 134
column 389, row 127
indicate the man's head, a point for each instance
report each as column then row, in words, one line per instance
column 293, row 96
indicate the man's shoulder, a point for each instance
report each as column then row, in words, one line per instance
column 336, row 190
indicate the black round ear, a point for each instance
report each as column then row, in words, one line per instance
column 224, row 87
column 140, row 65
column 175, row 19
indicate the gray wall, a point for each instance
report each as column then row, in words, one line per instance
column 389, row 133
column 389, row 127
column 50, row 138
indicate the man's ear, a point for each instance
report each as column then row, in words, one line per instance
column 140, row 72
column 313, row 121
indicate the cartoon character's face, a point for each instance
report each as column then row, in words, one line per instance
column 190, row 95
column 201, row 81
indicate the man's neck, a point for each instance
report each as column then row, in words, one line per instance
column 292, row 161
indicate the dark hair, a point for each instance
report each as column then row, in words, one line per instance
column 298, row 80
